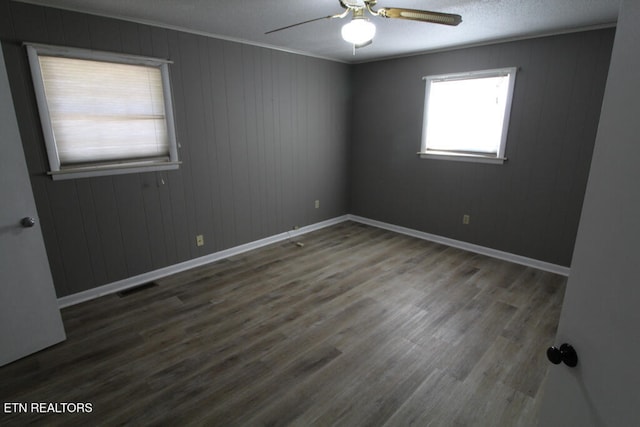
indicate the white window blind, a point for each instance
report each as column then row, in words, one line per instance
column 100, row 114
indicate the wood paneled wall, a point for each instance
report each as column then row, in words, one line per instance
column 263, row 134
column 529, row 206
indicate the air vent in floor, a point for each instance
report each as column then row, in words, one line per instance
column 137, row 289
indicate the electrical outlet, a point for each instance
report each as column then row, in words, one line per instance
column 466, row 219
column 317, row 204
column 199, row 240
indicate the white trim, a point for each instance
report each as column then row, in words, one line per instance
column 43, row 109
column 467, row 75
column 156, row 24
column 112, row 169
column 499, row 40
column 494, row 253
column 94, row 55
column 354, row 61
column 59, row 171
column 458, row 155
column 140, row 279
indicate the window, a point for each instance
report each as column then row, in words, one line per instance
column 103, row 113
column 466, row 115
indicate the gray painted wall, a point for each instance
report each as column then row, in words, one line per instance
column 529, row 206
column 263, row 134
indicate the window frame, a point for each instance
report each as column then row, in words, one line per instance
column 466, row 156
column 58, row 171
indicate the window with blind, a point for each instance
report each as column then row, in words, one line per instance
column 466, row 115
column 103, row 113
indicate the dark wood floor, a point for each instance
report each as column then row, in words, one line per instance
column 360, row 326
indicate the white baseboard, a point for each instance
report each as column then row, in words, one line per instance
column 140, row 279
column 494, row 253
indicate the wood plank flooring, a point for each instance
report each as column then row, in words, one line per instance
column 360, row 326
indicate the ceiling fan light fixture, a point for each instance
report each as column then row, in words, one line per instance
column 358, row 31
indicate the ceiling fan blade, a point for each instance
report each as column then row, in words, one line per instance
column 339, row 15
column 420, row 15
column 299, row 23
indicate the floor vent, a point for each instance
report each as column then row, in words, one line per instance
column 137, row 289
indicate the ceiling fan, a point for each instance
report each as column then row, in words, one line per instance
column 360, row 31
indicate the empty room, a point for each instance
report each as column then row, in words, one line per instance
column 319, row 212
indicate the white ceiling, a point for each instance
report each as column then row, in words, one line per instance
column 247, row 20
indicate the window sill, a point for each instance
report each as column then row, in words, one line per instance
column 90, row 171
column 461, row 157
